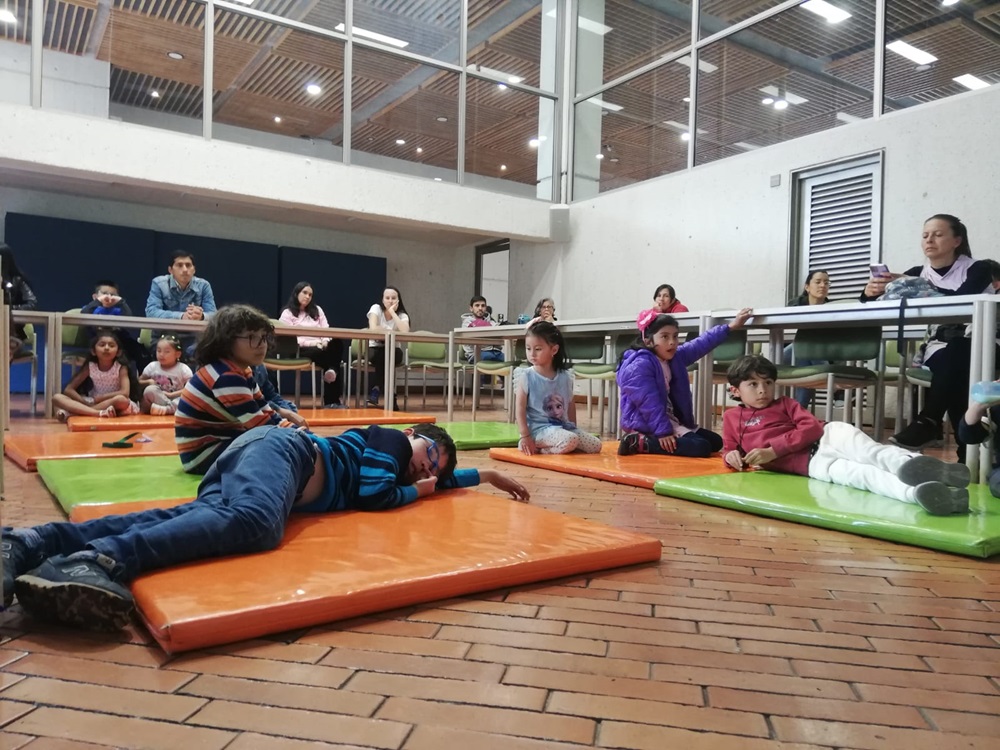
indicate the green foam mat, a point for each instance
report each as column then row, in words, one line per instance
column 831, row 506
column 470, row 436
column 97, row 481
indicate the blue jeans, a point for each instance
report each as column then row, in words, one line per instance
column 242, row 506
column 802, row 395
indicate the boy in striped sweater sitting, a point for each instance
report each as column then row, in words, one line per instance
column 78, row 573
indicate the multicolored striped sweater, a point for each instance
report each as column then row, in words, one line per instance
column 365, row 470
column 218, row 404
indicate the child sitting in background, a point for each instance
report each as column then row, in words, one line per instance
column 163, row 379
column 222, row 400
column 102, row 387
column 985, row 399
column 544, row 407
column 656, row 406
column 107, row 301
column 777, row 434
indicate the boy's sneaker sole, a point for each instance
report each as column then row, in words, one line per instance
column 74, row 603
column 940, row 500
column 629, row 445
column 920, row 469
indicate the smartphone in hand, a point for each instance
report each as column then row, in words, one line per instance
column 879, row 269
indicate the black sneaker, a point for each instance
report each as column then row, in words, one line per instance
column 17, row 559
column 920, row 469
column 76, row 590
column 922, row 433
column 940, row 500
column 629, row 445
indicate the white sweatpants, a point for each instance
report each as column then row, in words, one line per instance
column 849, row 457
column 558, row 440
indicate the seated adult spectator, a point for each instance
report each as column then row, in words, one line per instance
column 665, row 301
column 18, row 294
column 180, row 295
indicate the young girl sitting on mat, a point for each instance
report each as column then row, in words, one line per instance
column 102, row 387
column 164, row 379
column 777, row 434
column 657, row 412
column 221, row 401
column 545, row 411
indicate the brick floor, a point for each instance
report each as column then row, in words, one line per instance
column 749, row 633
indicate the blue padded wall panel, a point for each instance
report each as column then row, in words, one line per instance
column 238, row 271
column 345, row 285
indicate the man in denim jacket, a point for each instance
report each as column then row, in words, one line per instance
column 180, row 294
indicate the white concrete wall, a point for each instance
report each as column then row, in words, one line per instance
column 71, row 83
column 436, row 282
column 53, row 142
column 720, row 234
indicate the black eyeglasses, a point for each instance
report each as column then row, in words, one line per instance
column 257, row 339
column 432, row 453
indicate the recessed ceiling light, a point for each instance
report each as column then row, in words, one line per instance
column 773, row 93
column 946, row 3
column 502, row 87
column 175, row 55
column 155, row 94
column 911, row 53
column 314, row 89
column 277, row 119
column 767, row 100
column 685, row 136
column 400, row 142
column 971, row 82
column 614, row 160
column 830, row 12
column 534, row 142
column 419, row 150
column 503, row 167
column 437, row 179
column 441, row 118
column 704, row 67
column 7, row 17
column 599, row 156
column 374, row 36
column 780, row 104
column 686, row 99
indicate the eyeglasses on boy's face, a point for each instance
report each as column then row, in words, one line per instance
column 433, row 453
column 257, row 339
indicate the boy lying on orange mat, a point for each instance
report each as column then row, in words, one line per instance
column 78, row 573
column 777, row 434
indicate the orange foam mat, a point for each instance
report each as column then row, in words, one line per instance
column 361, row 417
column 337, row 566
column 26, row 450
column 123, row 424
column 637, row 471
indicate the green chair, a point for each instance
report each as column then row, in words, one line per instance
column 75, row 343
column 429, row 356
column 356, row 363
column 285, row 358
column 29, row 354
column 835, row 345
column 587, row 357
column 504, row 369
column 730, row 350
column 606, row 372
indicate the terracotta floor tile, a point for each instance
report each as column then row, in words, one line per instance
column 374, row 642
column 490, row 622
column 254, row 741
column 137, row 703
column 63, row 641
column 494, row 720
column 119, row 731
column 54, row 743
column 98, row 673
column 648, row 737
column 571, row 642
column 430, row 737
column 261, row 649
column 573, row 602
column 963, row 666
column 421, row 666
column 771, row 620
column 502, row 609
column 958, row 683
column 749, row 680
column 450, row 691
column 301, row 724
column 961, row 638
column 11, row 710
column 645, row 622
column 305, row 697
column 258, row 669
column 611, row 667
column 597, row 685
column 986, row 725
column 844, row 655
column 697, row 657
column 654, row 637
column 909, row 696
column 867, row 737
column 679, row 599
column 784, row 635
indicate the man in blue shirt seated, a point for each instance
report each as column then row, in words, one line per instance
column 179, row 294
column 78, row 573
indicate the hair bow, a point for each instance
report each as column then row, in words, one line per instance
column 645, row 318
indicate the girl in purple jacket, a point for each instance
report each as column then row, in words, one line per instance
column 656, row 406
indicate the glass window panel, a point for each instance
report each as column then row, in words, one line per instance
column 506, row 41
column 962, row 39
column 424, row 27
column 632, row 132
column 278, row 88
column 324, row 14
column 789, row 76
column 717, row 15
column 156, row 55
column 405, row 116
column 15, row 53
column 615, row 37
column 506, row 148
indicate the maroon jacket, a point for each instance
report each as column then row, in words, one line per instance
column 782, row 425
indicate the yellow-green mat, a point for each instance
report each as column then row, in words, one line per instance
column 79, row 481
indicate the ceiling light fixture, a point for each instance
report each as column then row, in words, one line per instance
column 175, row 55
column 314, row 89
column 400, row 142
column 599, row 156
column 776, row 95
column 503, row 167
column 441, row 118
column 971, row 82
column 686, row 99
column 780, row 104
column 374, row 36
column 533, row 143
column 946, row 3
column 594, row 27
column 155, row 94
column 419, row 150
column 437, row 179
column 830, row 12
column 767, row 100
column 685, row 136
column 614, row 160
column 704, row 67
column 7, row 17
column 277, row 119
column 502, row 86
column 911, row 53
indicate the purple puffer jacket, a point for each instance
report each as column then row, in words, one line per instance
column 644, row 392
